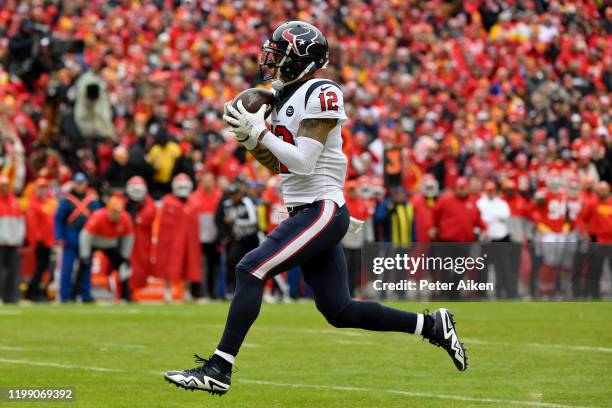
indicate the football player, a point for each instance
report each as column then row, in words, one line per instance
column 305, row 148
column 550, row 217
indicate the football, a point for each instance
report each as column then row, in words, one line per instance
column 253, row 98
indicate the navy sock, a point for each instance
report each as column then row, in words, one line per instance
column 374, row 316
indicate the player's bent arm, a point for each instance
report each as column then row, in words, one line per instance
column 265, row 157
column 301, row 158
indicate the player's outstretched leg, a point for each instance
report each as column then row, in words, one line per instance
column 327, row 276
column 214, row 375
column 308, row 232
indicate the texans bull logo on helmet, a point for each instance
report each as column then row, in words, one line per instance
column 300, row 38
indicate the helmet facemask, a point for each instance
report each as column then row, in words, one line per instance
column 271, row 60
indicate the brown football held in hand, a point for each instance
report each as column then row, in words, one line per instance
column 253, row 98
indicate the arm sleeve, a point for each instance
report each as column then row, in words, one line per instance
column 299, row 159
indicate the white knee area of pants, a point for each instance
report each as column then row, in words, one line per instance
column 419, row 324
column 226, row 356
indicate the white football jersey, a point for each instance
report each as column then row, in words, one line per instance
column 315, row 98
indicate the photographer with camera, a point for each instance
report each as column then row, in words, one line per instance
column 34, row 50
column 92, row 109
column 27, row 57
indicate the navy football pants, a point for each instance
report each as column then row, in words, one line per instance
column 309, row 238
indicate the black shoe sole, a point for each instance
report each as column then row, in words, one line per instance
column 178, row 385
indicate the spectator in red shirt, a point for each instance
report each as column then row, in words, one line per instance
column 111, row 231
column 551, row 218
column 39, row 226
column 596, row 223
column 141, row 207
column 456, row 217
column 424, row 204
column 518, row 225
column 12, row 234
column 457, row 220
column 176, row 252
column 205, row 200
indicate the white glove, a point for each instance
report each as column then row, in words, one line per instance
column 229, row 120
column 355, row 225
column 247, row 126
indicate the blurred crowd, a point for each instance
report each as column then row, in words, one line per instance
column 455, row 107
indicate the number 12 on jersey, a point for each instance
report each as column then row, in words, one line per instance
column 328, row 101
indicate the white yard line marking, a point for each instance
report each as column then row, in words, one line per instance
column 10, row 312
column 355, row 343
column 568, row 347
column 335, row 332
column 538, row 345
column 316, row 386
column 349, row 333
column 278, row 329
column 122, row 345
column 58, row 365
column 501, row 402
column 10, row 348
column 250, row 345
column 106, row 311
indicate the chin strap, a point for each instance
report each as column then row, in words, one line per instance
column 278, row 84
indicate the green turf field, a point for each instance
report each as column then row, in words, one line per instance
column 520, row 354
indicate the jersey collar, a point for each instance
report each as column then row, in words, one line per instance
column 285, row 94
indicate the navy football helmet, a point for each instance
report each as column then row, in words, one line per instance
column 295, row 49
